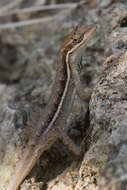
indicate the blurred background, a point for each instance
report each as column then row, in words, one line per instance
column 27, row 25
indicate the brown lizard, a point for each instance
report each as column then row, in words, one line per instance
column 52, row 125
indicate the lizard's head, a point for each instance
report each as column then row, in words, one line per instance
column 78, row 38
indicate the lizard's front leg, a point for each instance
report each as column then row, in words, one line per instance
column 68, row 141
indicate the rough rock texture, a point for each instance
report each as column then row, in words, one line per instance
column 104, row 166
column 109, row 125
column 112, row 90
column 27, row 69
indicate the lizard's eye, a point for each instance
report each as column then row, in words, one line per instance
column 75, row 40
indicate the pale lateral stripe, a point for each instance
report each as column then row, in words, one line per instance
column 62, row 99
column 66, row 85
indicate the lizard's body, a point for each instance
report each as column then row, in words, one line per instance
column 53, row 123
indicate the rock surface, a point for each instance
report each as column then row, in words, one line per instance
column 27, row 69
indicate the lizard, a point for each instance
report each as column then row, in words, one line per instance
column 52, row 125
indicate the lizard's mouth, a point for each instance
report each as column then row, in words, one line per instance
column 87, row 36
column 88, row 33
